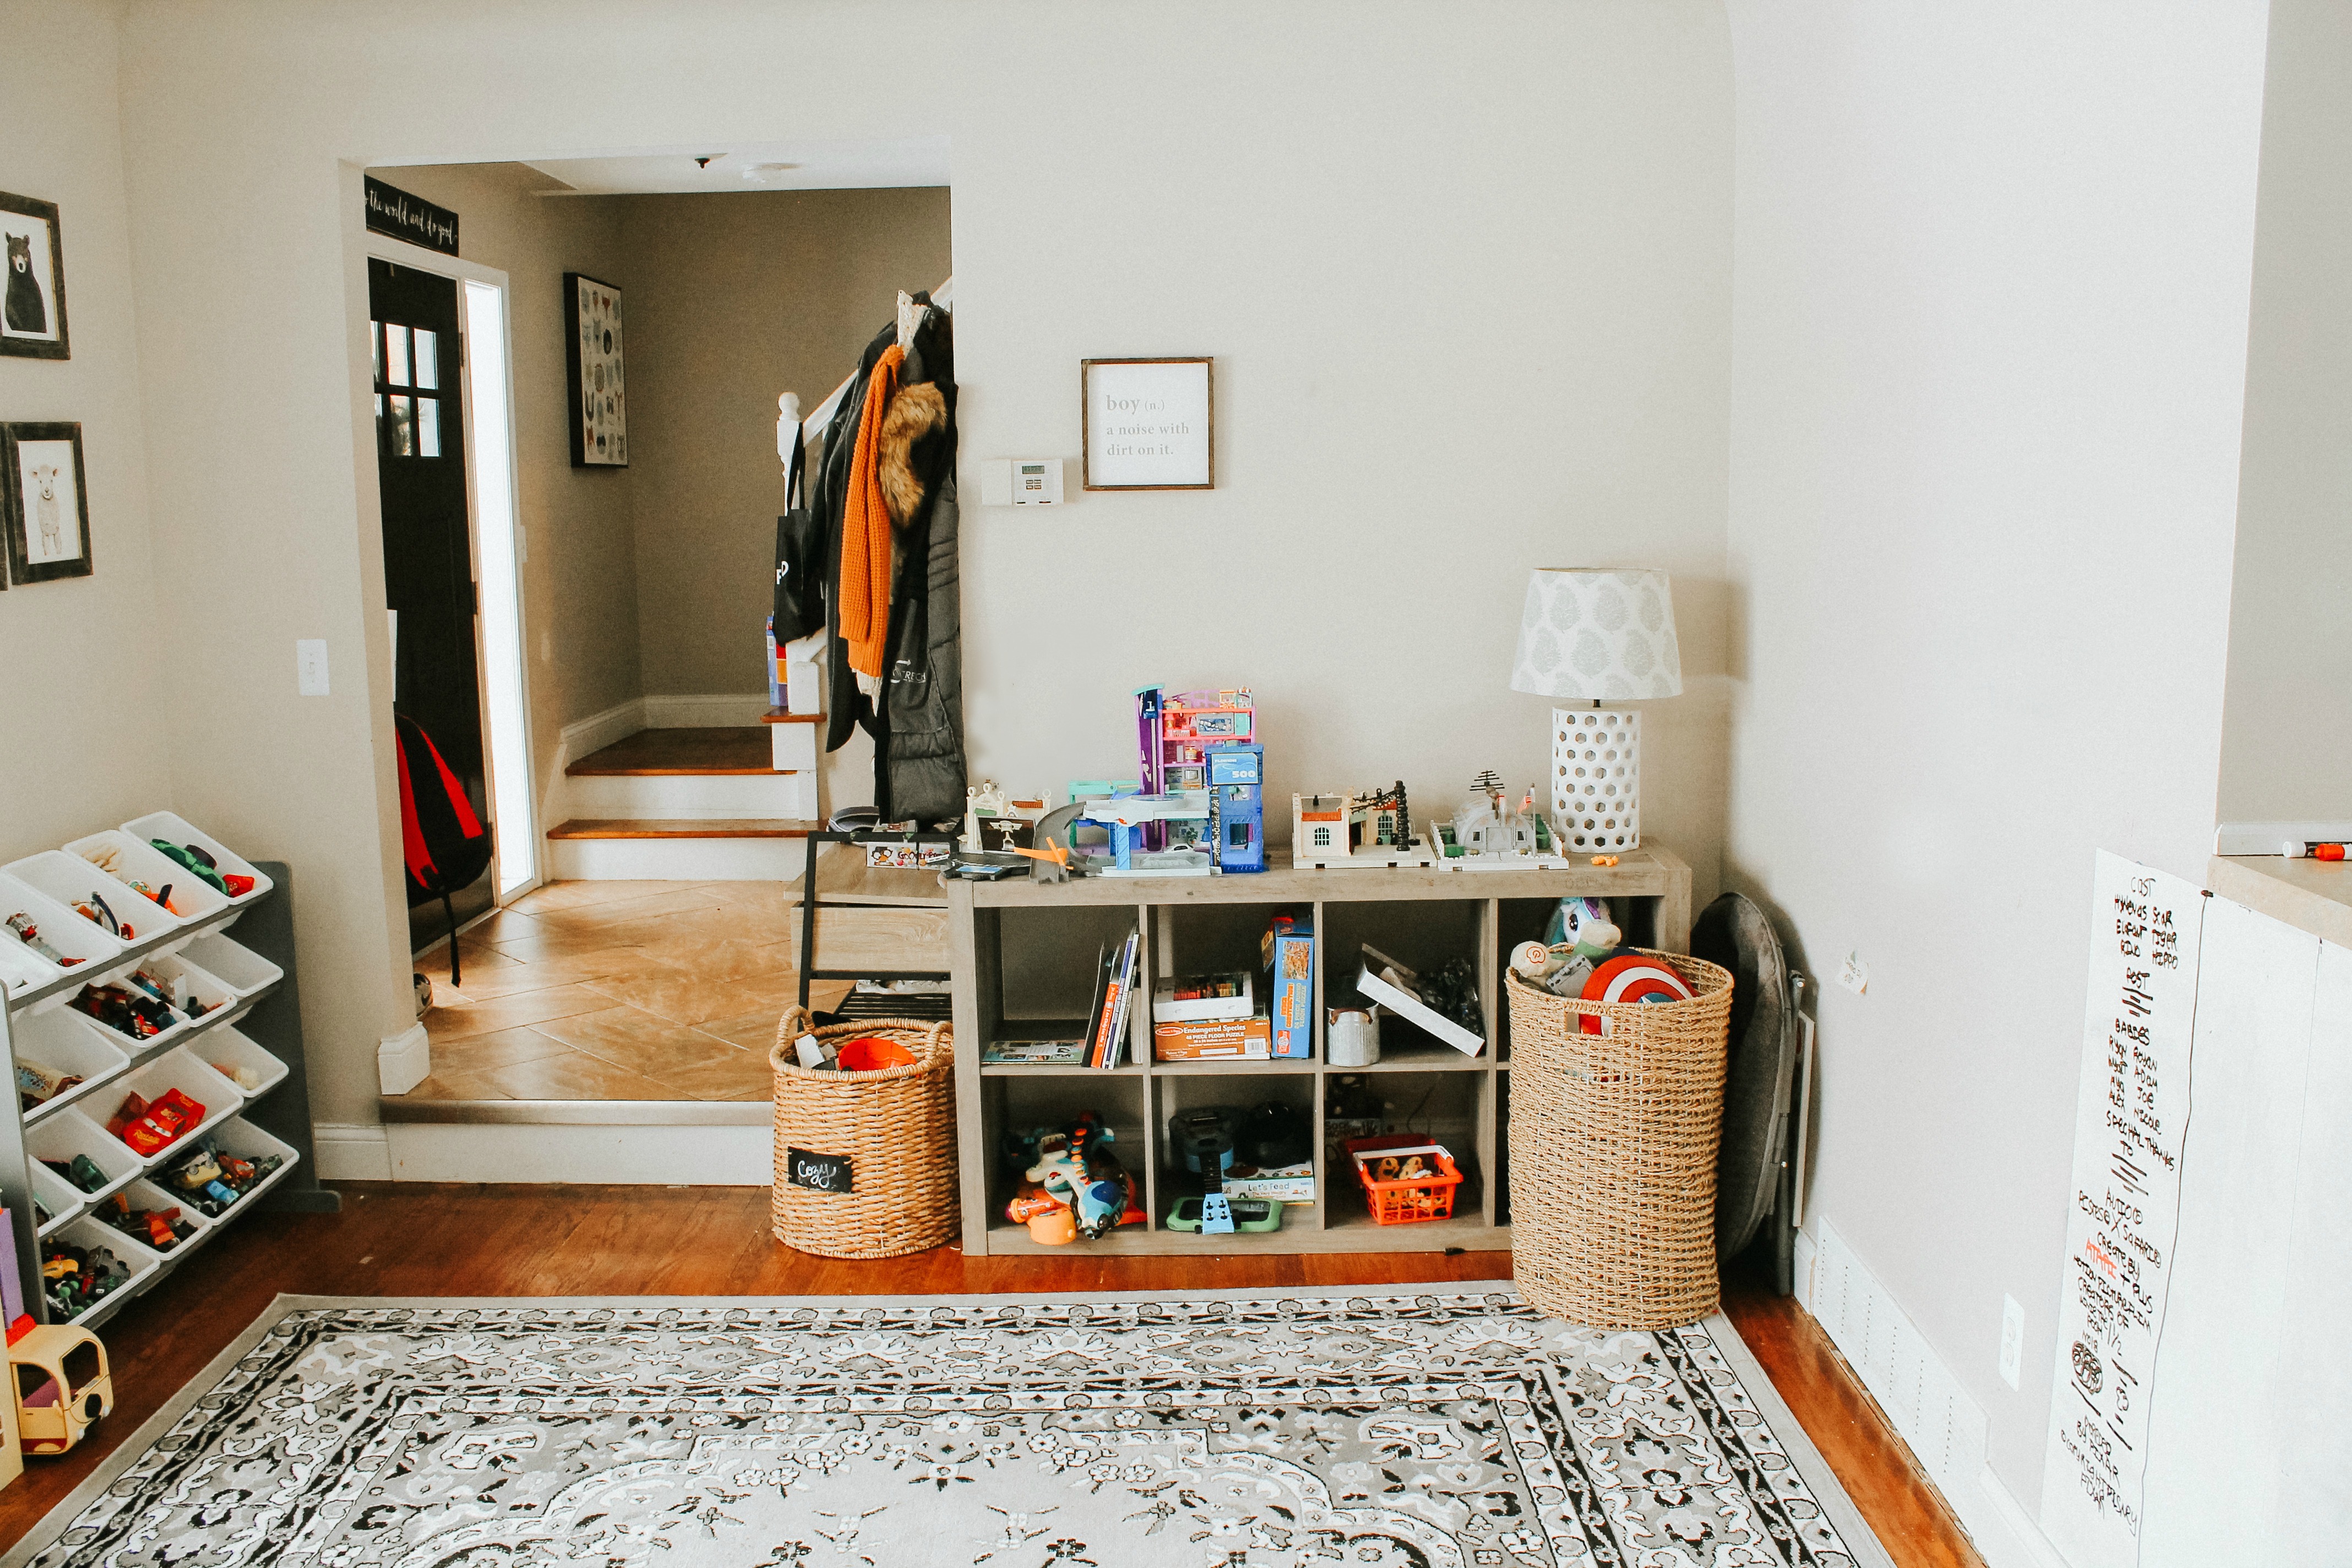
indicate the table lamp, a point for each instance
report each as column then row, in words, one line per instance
column 1600, row 633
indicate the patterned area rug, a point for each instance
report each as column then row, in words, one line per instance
column 1437, row 1428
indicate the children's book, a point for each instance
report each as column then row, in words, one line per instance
column 1034, row 1053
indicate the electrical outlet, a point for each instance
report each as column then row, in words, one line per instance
column 2012, row 1339
column 310, row 667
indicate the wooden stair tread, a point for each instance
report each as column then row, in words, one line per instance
column 735, row 750
column 778, row 716
column 682, row 827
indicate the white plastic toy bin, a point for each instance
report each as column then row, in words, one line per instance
column 146, row 1195
column 71, row 1132
column 65, row 1041
column 142, row 1261
column 132, row 1046
column 70, row 880
column 203, row 995
column 234, row 964
column 58, row 927
column 242, row 1139
column 179, row 1068
column 64, row 1201
column 20, row 968
column 130, row 860
column 179, row 831
column 228, row 1050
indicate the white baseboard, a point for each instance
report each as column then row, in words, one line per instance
column 675, row 859
column 404, row 1060
column 1946, row 1430
column 713, row 712
column 348, row 1152
column 2008, row 1537
column 700, row 1156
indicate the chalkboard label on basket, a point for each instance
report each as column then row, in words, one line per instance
column 819, row 1172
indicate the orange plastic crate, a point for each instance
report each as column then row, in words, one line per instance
column 1404, row 1202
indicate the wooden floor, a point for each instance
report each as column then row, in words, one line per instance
column 425, row 1240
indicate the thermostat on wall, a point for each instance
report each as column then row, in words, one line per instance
column 1021, row 481
column 1036, row 481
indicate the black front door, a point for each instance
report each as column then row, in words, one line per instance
column 428, row 560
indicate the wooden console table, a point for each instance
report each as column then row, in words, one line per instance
column 1021, row 956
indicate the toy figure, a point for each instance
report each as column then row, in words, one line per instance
column 31, row 935
column 99, row 914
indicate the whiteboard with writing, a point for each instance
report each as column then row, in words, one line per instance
column 2123, row 1207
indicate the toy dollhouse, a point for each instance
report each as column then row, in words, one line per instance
column 1374, row 827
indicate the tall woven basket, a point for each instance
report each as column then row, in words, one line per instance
column 894, row 1127
column 1613, row 1142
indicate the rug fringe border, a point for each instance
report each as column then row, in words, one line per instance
column 1827, row 1488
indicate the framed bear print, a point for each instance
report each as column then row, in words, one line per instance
column 47, row 507
column 33, row 300
column 592, row 365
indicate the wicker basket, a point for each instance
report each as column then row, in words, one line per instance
column 895, row 1127
column 1613, row 1150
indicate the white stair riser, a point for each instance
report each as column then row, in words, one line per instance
column 792, row 747
column 675, row 859
column 791, row 796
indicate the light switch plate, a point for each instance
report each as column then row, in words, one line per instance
column 1854, row 975
column 996, row 482
column 310, row 667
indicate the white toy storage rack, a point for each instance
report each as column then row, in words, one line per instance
column 255, row 1025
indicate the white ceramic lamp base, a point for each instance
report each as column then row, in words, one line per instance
column 1596, row 778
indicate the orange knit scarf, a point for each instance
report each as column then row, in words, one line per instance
column 866, row 528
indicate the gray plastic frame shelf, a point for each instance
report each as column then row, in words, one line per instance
column 272, row 1020
column 1652, row 880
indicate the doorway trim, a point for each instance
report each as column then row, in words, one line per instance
column 399, row 253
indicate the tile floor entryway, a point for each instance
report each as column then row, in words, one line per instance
column 617, row 991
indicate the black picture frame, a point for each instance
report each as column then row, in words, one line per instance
column 594, row 373
column 22, row 296
column 32, row 526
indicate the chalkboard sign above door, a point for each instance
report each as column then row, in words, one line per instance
column 393, row 211
column 818, row 1173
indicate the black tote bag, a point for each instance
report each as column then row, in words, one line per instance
column 800, row 559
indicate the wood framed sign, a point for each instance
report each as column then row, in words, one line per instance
column 393, row 211
column 1149, row 423
column 47, row 508
column 592, row 365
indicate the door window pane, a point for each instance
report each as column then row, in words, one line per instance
column 428, row 425
column 396, row 353
column 375, row 352
column 403, row 442
column 429, row 361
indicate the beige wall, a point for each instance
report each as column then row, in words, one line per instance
column 2286, row 749
column 1984, row 468
column 733, row 299
column 85, row 697
column 579, row 585
column 1461, row 331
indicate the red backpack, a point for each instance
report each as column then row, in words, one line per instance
column 442, row 841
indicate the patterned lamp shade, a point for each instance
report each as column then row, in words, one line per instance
column 1602, row 633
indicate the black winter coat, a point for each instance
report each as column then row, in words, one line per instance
column 917, row 724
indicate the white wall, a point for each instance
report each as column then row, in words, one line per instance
column 1465, row 273
column 1990, row 284
column 84, row 703
column 2286, row 752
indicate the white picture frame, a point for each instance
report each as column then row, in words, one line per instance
column 1149, row 424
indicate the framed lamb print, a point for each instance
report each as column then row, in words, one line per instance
column 47, row 508
column 591, row 363
column 33, row 302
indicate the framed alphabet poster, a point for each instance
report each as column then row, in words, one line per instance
column 1148, row 424
column 592, row 364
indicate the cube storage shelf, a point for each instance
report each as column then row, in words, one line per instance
column 256, row 1025
column 1023, row 954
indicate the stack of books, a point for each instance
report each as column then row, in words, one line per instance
column 1113, row 1000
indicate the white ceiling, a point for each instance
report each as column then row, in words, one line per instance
column 756, row 166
